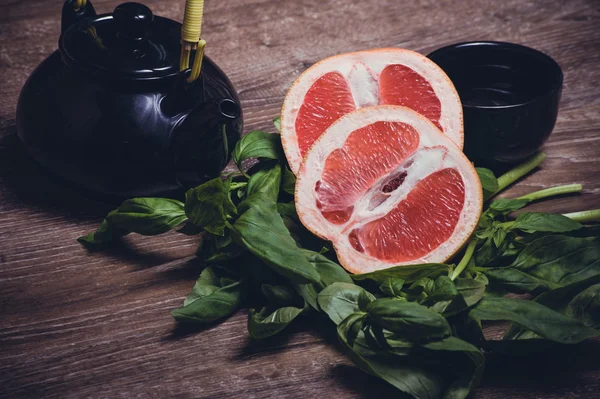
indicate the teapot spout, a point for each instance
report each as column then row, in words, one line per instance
column 228, row 109
column 203, row 140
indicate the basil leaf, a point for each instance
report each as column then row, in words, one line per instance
column 517, row 281
column 277, row 123
column 350, row 327
column 302, row 236
column 479, row 277
column 373, row 341
column 472, row 290
column 450, row 307
column 229, row 207
column 268, row 322
column 289, row 181
column 207, row 283
column 408, row 319
column 505, row 206
column 586, row 307
column 287, row 209
column 488, row 232
column 207, row 206
column 560, row 260
column 266, row 181
column 451, row 344
column 532, row 316
column 443, row 290
column 547, row 263
column 217, row 249
column 259, row 273
column 339, row 300
column 558, row 299
column 548, row 222
column 145, row 216
column 563, row 301
column 466, row 328
column 489, row 183
column 468, row 362
column 420, row 290
column 261, row 231
column 408, row 273
column 487, row 252
column 468, row 293
column 499, row 237
column 310, row 293
column 578, row 300
column 329, row 272
column 406, row 377
column 392, row 287
column 215, row 295
column 257, row 144
column 281, row 296
column 491, row 255
column 252, row 201
column 425, row 285
column 470, row 374
column 364, row 298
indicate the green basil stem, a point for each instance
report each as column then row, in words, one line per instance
column 236, row 185
column 246, row 175
column 593, row 215
column 552, row 191
column 519, row 171
column 465, row 260
column 224, row 139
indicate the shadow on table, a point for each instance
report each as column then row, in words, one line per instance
column 124, row 250
column 25, row 185
column 559, row 370
column 31, row 186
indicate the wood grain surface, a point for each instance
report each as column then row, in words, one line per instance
column 80, row 324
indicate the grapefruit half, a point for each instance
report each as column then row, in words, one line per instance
column 343, row 83
column 388, row 188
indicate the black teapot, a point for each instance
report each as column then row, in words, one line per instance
column 112, row 112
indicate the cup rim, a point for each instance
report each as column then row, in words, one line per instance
column 552, row 89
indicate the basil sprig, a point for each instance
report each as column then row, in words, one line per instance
column 417, row 327
column 145, row 216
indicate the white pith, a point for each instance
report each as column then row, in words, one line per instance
column 362, row 70
column 435, row 152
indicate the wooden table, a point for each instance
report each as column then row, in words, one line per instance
column 80, row 324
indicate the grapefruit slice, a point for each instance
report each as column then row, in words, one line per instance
column 341, row 84
column 388, row 188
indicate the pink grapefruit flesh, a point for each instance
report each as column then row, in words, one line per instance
column 325, row 102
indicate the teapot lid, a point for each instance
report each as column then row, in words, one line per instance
column 129, row 44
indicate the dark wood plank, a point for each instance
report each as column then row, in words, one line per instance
column 78, row 324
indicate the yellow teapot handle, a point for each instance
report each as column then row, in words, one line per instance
column 190, row 37
column 79, row 4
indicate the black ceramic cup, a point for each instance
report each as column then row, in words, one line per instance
column 510, row 95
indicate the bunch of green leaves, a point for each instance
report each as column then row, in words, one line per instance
column 417, row 327
column 534, row 252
